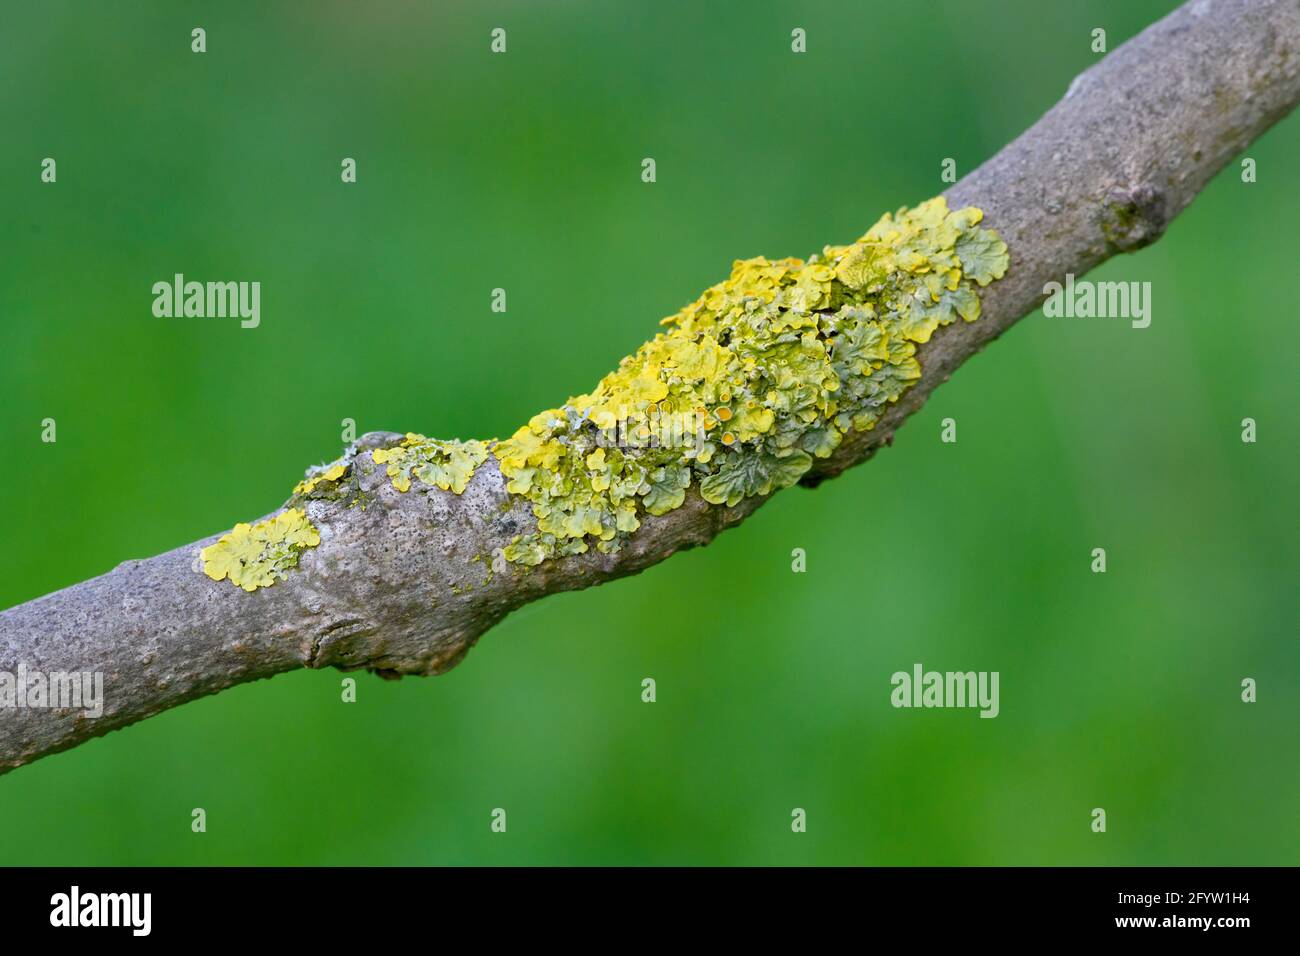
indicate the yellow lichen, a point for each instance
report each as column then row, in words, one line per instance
column 790, row 355
column 329, row 473
column 258, row 555
column 750, row 383
column 448, row 465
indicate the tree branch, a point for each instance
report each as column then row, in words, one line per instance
column 406, row 584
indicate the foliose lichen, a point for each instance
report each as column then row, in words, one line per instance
column 756, row 378
column 448, row 465
column 257, row 555
column 317, row 476
column 779, row 363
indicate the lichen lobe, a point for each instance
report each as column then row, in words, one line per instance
column 448, row 465
column 257, row 555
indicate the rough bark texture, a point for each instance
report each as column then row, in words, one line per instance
column 406, row 585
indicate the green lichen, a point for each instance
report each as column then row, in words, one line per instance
column 489, row 572
column 257, row 555
column 1133, row 218
column 448, row 465
column 779, row 363
column 1117, row 220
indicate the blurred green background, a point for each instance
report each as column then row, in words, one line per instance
column 522, row 171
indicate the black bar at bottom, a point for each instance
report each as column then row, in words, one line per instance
column 335, row 905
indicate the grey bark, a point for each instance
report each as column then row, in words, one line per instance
column 406, row 585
